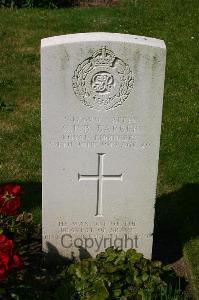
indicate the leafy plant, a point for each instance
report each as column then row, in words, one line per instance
column 116, row 274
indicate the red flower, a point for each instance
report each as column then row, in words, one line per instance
column 16, row 262
column 8, row 258
column 6, row 245
column 4, row 260
column 14, row 189
column 9, row 199
column 3, row 269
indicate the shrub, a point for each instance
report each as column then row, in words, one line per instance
column 116, row 274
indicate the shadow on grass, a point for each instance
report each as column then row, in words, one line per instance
column 176, row 222
column 32, row 195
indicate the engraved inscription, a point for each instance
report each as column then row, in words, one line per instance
column 102, row 81
column 94, row 235
column 120, row 132
column 100, row 177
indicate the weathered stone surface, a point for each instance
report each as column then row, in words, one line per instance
column 101, row 118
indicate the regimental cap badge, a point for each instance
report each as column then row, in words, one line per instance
column 103, row 81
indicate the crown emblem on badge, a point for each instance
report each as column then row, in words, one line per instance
column 103, row 57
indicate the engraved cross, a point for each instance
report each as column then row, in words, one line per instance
column 100, row 177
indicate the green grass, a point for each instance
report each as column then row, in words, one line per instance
column 192, row 259
column 174, row 21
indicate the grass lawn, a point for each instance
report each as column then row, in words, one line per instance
column 176, row 22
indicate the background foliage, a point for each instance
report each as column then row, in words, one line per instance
column 36, row 3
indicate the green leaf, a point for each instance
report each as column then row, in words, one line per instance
column 2, row 291
column 145, row 276
column 117, row 292
column 99, row 291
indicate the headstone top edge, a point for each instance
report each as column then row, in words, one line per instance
column 102, row 36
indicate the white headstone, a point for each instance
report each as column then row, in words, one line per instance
column 101, row 119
